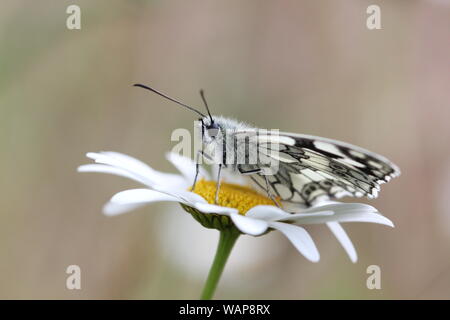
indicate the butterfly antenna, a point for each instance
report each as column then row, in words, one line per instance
column 202, row 94
column 168, row 98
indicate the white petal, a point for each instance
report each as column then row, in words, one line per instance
column 212, row 208
column 113, row 209
column 265, row 212
column 251, row 226
column 102, row 168
column 183, row 195
column 129, row 200
column 191, row 197
column 367, row 217
column 186, row 166
column 141, row 196
column 140, row 172
column 300, row 217
column 370, row 217
column 300, row 238
column 343, row 239
column 130, row 161
column 343, row 212
column 115, row 161
column 160, row 178
column 341, row 207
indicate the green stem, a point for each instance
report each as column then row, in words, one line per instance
column 227, row 240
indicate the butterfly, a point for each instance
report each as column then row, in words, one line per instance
column 308, row 169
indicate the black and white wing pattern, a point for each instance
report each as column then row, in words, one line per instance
column 313, row 168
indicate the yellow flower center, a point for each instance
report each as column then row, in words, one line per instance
column 231, row 195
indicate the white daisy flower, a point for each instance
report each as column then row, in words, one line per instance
column 240, row 209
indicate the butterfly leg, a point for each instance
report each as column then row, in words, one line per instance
column 269, row 192
column 197, row 168
column 216, row 198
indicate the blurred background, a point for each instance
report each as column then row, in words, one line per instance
column 301, row 66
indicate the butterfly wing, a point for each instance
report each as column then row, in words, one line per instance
column 312, row 168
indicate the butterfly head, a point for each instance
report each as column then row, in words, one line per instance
column 210, row 128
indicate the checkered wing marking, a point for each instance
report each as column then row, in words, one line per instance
column 313, row 168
